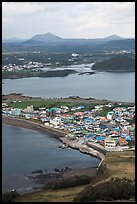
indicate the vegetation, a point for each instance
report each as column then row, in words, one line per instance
column 117, row 63
column 131, row 143
column 9, row 196
column 120, row 164
column 35, row 103
column 34, row 73
column 114, row 189
column 49, row 195
column 102, row 170
column 40, row 104
column 57, row 73
column 49, row 103
column 69, row 182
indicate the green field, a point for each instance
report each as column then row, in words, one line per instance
column 48, row 103
column 35, row 103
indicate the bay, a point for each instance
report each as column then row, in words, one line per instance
column 25, row 150
column 115, row 86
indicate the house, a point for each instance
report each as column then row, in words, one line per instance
column 64, row 109
column 79, row 113
column 28, row 116
column 122, row 142
column 110, row 115
column 55, row 121
column 15, row 111
column 109, row 142
column 30, row 109
column 71, row 136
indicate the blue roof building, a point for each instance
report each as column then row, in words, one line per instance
column 99, row 138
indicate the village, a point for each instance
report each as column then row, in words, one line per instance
column 114, row 132
column 13, row 62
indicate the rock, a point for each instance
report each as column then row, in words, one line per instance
column 57, row 170
column 37, row 172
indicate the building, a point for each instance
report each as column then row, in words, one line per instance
column 110, row 115
column 15, row 111
column 122, row 142
column 109, row 142
column 55, row 121
column 30, row 109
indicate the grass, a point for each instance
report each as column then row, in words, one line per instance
column 121, row 164
column 48, row 103
column 62, row 195
column 24, row 104
column 37, row 103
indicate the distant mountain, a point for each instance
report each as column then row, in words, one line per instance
column 42, row 38
column 49, row 37
column 52, row 43
column 45, row 37
column 53, row 40
column 113, row 37
column 117, row 63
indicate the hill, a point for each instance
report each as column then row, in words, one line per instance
column 44, row 38
column 117, row 63
column 52, row 43
column 113, row 37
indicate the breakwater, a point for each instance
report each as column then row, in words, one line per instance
column 82, row 148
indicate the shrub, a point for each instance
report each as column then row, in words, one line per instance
column 115, row 189
column 9, row 196
column 102, row 169
column 70, row 182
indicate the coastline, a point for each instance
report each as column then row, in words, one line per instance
column 61, row 136
column 33, row 126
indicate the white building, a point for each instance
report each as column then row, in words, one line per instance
column 30, row 109
column 55, row 121
column 109, row 142
column 110, row 115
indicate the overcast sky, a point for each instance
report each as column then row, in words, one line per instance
column 68, row 19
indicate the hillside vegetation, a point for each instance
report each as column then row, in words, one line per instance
column 117, row 63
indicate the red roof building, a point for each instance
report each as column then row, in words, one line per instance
column 122, row 142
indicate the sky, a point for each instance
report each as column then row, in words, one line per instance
column 68, row 19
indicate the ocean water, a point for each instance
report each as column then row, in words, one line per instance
column 115, row 86
column 25, row 150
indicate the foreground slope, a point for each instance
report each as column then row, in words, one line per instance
column 116, row 165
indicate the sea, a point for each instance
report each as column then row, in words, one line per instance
column 115, row 86
column 25, row 150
